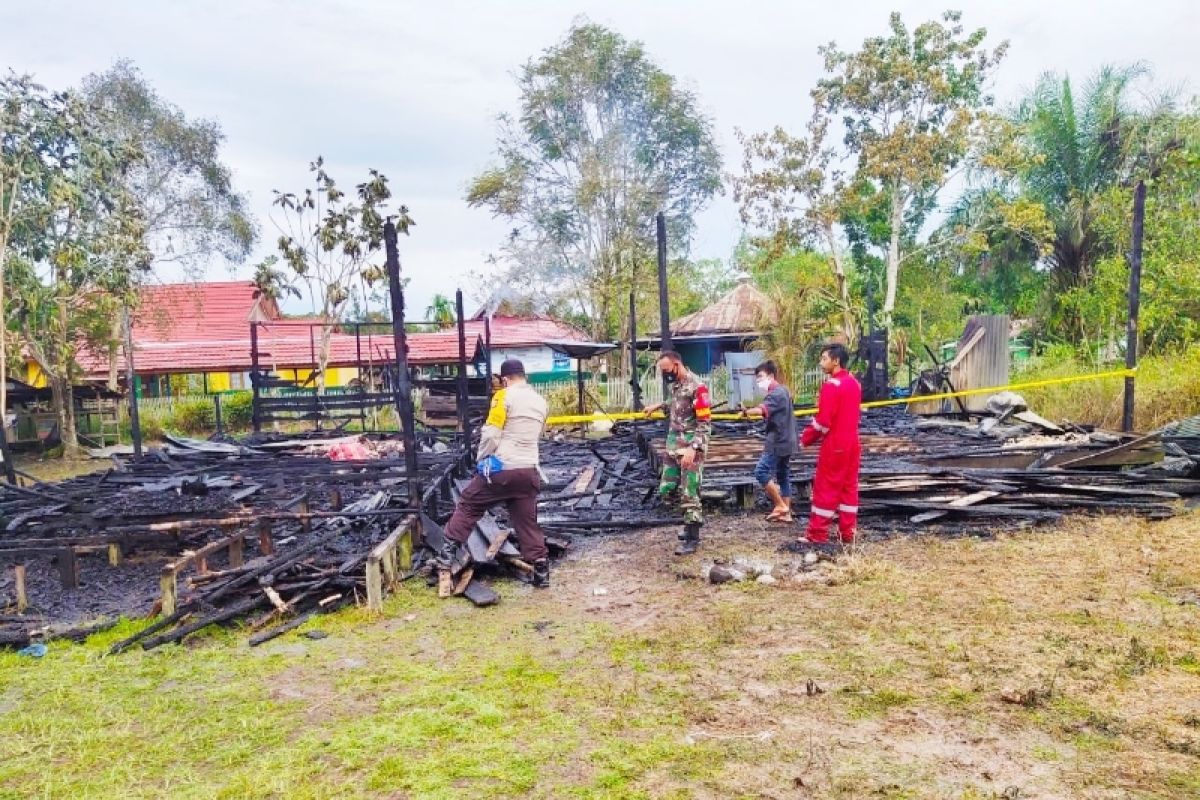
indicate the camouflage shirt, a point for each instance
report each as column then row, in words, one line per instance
column 690, row 412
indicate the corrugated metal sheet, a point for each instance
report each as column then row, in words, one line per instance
column 982, row 360
column 986, row 363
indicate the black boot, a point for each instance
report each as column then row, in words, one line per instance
column 541, row 573
column 691, row 540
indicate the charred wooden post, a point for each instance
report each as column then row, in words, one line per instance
column 10, row 471
column 255, row 380
column 135, row 422
column 362, row 411
column 266, row 546
column 402, row 385
column 217, row 414
column 579, row 387
column 385, row 562
column 464, row 418
column 1135, row 297
column 487, row 346
column 634, row 383
column 664, row 302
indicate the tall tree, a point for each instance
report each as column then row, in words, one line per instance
column 191, row 210
column 76, row 250
column 603, row 140
column 1170, row 290
column 1073, row 147
column 792, row 189
column 909, row 102
column 327, row 237
column 21, row 110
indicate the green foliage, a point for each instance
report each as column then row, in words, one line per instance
column 1170, row 302
column 271, row 282
column 77, row 245
column 1167, row 389
column 194, row 416
column 441, row 309
column 1059, row 172
column 329, row 238
column 237, row 410
column 563, row 400
column 186, row 193
column 603, row 140
column 910, row 103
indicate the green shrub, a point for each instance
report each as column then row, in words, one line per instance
column 237, row 410
column 563, row 401
column 153, row 422
column 194, row 417
column 1167, row 388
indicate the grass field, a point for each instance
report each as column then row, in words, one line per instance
column 1059, row 663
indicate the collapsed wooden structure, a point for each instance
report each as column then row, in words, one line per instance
column 210, row 532
column 273, row 532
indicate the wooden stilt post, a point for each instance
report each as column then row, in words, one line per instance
column 402, row 386
column 1135, row 296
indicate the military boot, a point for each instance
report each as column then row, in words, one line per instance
column 691, row 540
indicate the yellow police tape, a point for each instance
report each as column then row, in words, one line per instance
column 576, row 419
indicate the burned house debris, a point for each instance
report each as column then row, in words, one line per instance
column 274, row 532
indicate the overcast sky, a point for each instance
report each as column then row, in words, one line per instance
column 413, row 88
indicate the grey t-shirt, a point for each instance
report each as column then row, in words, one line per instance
column 781, row 422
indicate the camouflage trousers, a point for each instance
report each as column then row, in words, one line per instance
column 686, row 483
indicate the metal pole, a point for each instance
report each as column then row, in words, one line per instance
column 217, row 414
column 402, row 386
column 464, row 419
column 1135, row 296
column 633, row 367
column 255, row 377
column 135, row 422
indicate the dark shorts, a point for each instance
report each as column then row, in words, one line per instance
column 777, row 467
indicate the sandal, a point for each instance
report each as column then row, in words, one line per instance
column 780, row 517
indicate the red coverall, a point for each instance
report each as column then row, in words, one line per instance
column 835, row 485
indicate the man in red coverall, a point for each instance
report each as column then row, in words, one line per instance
column 835, row 485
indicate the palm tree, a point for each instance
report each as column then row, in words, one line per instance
column 1077, row 148
column 441, row 310
column 272, row 283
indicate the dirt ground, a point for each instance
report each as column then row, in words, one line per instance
column 1058, row 663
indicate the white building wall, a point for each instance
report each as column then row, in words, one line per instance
column 535, row 359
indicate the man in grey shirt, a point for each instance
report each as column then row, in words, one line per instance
column 773, row 470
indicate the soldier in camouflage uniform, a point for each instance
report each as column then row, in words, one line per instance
column 689, row 426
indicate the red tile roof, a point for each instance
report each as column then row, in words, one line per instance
column 527, row 332
column 205, row 327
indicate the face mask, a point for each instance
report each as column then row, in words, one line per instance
column 669, row 377
column 763, row 384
